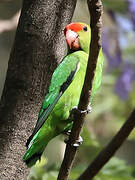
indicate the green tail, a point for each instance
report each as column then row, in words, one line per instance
column 32, row 160
column 31, row 156
column 35, row 148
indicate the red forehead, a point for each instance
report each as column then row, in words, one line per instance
column 74, row 27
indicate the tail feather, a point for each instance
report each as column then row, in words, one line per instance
column 35, row 147
column 34, row 151
column 33, row 159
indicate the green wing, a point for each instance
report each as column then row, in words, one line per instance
column 98, row 74
column 61, row 79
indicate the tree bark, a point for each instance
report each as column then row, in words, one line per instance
column 38, row 48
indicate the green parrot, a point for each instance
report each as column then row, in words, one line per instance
column 64, row 91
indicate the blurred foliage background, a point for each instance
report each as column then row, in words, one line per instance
column 113, row 102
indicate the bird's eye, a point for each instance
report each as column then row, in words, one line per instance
column 85, row 28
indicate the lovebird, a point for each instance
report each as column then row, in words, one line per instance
column 64, row 91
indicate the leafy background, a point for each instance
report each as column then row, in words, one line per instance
column 113, row 102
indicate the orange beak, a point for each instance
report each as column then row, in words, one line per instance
column 72, row 39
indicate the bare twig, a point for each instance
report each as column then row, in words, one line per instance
column 110, row 149
column 95, row 7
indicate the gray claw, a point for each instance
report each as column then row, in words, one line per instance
column 67, row 133
column 89, row 110
column 78, row 142
column 75, row 108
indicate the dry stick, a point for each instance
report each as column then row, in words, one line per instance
column 70, row 152
column 110, row 149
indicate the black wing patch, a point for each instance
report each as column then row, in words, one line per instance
column 47, row 111
column 65, row 85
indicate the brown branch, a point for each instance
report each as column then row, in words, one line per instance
column 95, row 7
column 110, row 149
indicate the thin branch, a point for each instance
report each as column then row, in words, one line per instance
column 110, row 149
column 96, row 23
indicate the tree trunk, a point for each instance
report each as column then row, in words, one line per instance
column 38, row 47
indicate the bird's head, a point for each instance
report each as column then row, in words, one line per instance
column 77, row 36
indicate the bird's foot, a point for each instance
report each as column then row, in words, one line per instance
column 67, row 133
column 87, row 111
column 77, row 142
